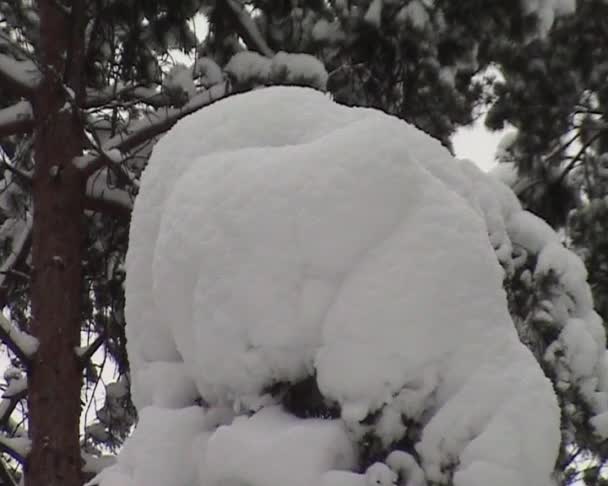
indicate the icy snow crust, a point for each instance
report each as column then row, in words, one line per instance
column 279, row 235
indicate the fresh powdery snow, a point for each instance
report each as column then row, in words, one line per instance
column 283, row 68
column 279, row 237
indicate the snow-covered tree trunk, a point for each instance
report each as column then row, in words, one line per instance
column 54, row 376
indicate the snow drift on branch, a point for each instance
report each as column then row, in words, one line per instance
column 284, row 68
column 279, row 238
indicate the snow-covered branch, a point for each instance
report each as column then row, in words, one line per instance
column 153, row 125
column 8, row 404
column 20, row 343
column 161, row 121
column 20, row 77
column 126, row 94
column 247, row 29
column 100, row 191
column 6, row 476
column 17, row 385
column 16, row 447
column 100, row 205
column 86, row 353
column 104, row 198
column 24, row 177
column 17, row 118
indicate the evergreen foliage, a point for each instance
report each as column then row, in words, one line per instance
column 555, row 93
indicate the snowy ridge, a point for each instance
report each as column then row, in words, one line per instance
column 279, row 237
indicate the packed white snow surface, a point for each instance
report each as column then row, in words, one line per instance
column 278, row 236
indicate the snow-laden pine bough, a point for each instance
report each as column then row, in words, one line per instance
column 315, row 297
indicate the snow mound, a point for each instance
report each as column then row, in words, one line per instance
column 279, row 238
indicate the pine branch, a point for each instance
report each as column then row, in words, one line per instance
column 155, row 124
column 123, row 96
column 247, row 29
column 86, row 353
column 98, row 189
column 23, row 345
column 99, row 195
column 16, row 447
column 107, row 206
column 7, row 406
column 579, row 155
column 16, row 386
column 24, row 177
column 160, row 122
column 20, row 246
column 6, row 476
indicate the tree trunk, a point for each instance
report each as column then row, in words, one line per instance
column 54, row 376
column 54, row 379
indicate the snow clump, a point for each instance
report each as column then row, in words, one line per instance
column 285, row 249
column 249, row 68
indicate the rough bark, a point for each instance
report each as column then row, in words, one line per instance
column 54, row 375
